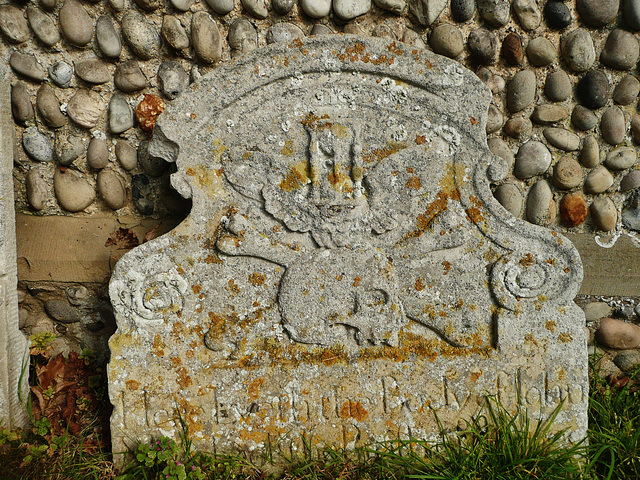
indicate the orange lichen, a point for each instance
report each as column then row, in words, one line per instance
column 419, row 285
column 257, row 279
column 550, row 325
column 217, row 325
column 565, row 337
column 414, row 182
column 353, row 410
column 356, row 281
column 421, row 139
column 148, row 110
column 527, row 260
column 183, row 379
column 176, row 361
column 196, row 289
column 158, row 346
column 379, row 154
column 254, row 388
column 132, row 384
column 447, row 266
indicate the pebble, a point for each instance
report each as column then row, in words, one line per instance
column 518, row 127
column 258, row 8
column 598, row 180
column 573, row 209
column 590, row 154
column 558, row 86
column 548, row 114
column 174, row 33
column 43, row 26
column 447, row 40
column 111, row 188
column 182, row 5
column 148, row 110
column 604, row 214
column 141, row 36
column 593, row 90
column 21, row 105
column 510, row 198
column 562, row 139
column 533, row 158
column 152, row 166
column 128, row 77
column 73, row 191
column 320, row 29
column 620, row 51
column 499, row 147
column 557, row 14
column 61, row 311
column 394, row 6
column 528, row 14
column 49, row 107
column 567, row 174
column 463, row 10
column 243, row 37
column 27, row 65
column 630, row 181
column 627, row 90
column 618, row 334
column 67, row 148
column 117, row 5
column 61, row 74
column 349, row 9
column 37, row 145
column 541, row 208
column 282, row 7
column 98, row 153
column 427, row 11
column 221, row 7
column 47, row 5
column 631, row 213
column 597, row 310
column 37, row 189
column 126, row 155
column 597, row 13
column 316, row 8
column 521, row 91
column 631, row 13
column 92, row 70
column 491, row 80
column 85, row 108
column 13, row 25
column 142, row 194
column 108, row 38
column 75, row 23
column 172, row 79
column 205, row 38
column 612, row 126
column 627, row 361
column 621, row 158
column 149, row 5
column 577, row 50
column 283, row 32
column 496, row 12
column 583, row 118
column 541, row 52
column 512, row 49
column 635, row 127
column 483, row 46
column 495, row 120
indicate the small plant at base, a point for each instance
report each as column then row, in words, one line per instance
column 161, row 460
column 41, row 343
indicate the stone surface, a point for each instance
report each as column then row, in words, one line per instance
column 614, row 333
column 541, row 208
column 533, row 158
column 14, row 379
column 85, row 108
column 395, row 6
column 628, row 361
column 172, row 79
column 573, row 209
column 243, row 37
column 495, row 12
column 108, row 38
column 61, row 74
column 73, row 192
column 541, row 52
column 463, row 10
column 68, row 148
column 577, row 50
column 350, row 9
column 597, row 310
column 593, row 90
column 557, row 14
column 174, row 33
column 528, row 13
column 427, row 11
column 221, row 7
column 583, row 118
column 37, row 145
column 612, row 125
column 630, row 181
column 98, row 153
column 256, row 8
column 547, row 114
column 37, row 189
column 61, row 311
column 92, row 70
column 512, row 49
column 121, row 115
column 620, row 51
column 43, row 26
column 128, row 77
column 558, row 86
column 562, row 139
column 282, row 7
column 294, row 276
column 635, row 127
column 567, row 173
column 21, row 105
column 284, row 32
column 482, row 45
column 447, row 40
column 127, row 155
column 521, row 91
column 27, row 66
column 205, row 38
column 316, row 8
column 48, row 107
column 519, row 128
column 13, row 25
column 621, row 158
column 598, row 180
column 631, row 13
column 510, row 197
column 626, row 90
column 75, row 23
column 597, row 13
column 590, row 153
column 141, row 35
column 111, row 188
column 604, row 214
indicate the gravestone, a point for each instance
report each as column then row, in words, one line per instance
column 14, row 351
column 345, row 274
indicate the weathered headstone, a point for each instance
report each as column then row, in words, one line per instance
column 345, row 274
column 14, row 352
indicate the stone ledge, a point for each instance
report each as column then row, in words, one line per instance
column 611, row 271
column 72, row 249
